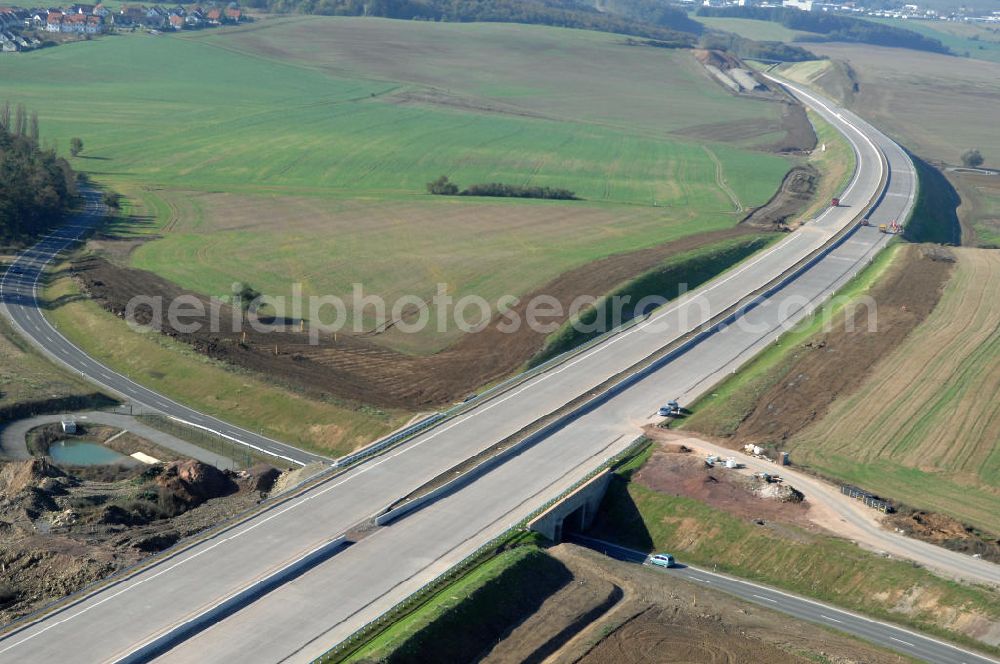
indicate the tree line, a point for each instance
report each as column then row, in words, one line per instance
column 653, row 24
column 37, row 187
column 445, row 187
column 830, row 27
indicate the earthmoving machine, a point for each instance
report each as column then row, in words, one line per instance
column 835, row 202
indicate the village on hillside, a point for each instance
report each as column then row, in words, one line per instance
column 25, row 29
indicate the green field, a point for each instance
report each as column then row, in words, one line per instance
column 297, row 150
column 965, row 39
column 193, row 112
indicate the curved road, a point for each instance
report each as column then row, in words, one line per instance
column 168, row 606
column 20, row 302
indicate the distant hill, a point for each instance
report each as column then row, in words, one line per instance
column 830, row 27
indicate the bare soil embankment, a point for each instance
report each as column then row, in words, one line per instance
column 834, row 363
column 657, row 618
column 65, row 527
column 356, row 368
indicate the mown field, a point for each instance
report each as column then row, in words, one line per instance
column 923, row 428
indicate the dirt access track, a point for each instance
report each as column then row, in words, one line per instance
column 356, row 368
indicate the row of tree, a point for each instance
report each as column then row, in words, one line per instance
column 445, row 187
column 654, row 24
column 742, row 47
column 37, row 187
column 831, row 27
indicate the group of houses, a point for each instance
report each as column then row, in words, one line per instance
column 17, row 24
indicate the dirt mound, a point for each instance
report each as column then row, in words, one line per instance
column 60, row 531
column 261, row 478
column 357, row 367
column 17, row 477
column 687, row 475
column 191, row 482
column 795, row 194
column 837, row 362
column 944, row 531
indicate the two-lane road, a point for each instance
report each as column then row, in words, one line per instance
column 884, row 634
column 300, row 619
column 20, row 301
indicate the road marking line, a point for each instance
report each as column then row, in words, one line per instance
column 902, row 641
column 766, row 599
column 365, row 469
column 830, row 619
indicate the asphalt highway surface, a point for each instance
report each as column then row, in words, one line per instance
column 173, row 607
column 884, row 634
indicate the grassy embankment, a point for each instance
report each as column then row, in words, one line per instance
column 835, row 163
column 720, row 412
column 820, row 566
column 31, row 384
column 470, row 615
column 181, row 373
column 670, row 279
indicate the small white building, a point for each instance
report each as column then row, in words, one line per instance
column 804, row 5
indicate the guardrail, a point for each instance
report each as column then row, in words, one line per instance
column 414, row 600
column 408, row 432
column 390, row 440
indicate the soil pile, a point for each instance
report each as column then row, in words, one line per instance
column 730, row 490
column 945, row 531
column 61, row 529
column 794, row 195
column 189, row 483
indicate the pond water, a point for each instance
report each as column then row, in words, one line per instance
column 83, row 453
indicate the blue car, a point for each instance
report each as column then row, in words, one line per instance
column 662, row 560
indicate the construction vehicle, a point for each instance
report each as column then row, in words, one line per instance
column 866, row 222
column 882, row 228
column 835, row 202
